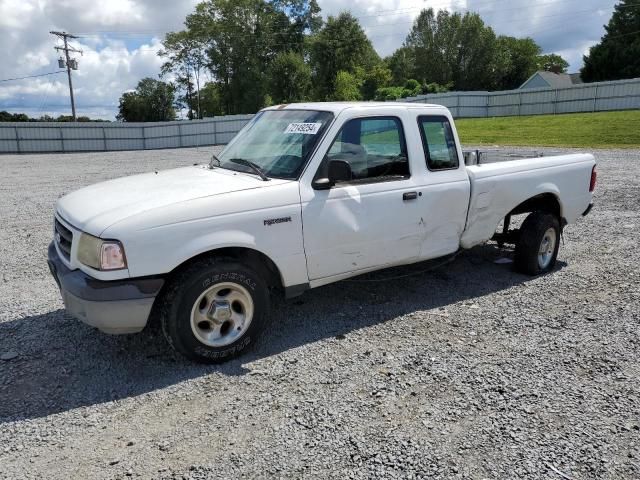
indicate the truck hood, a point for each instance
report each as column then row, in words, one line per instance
column 94, row 208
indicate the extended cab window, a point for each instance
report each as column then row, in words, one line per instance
column 374, row 147
column 439, row 144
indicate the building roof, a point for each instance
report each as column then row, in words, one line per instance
column 576, row 78
column 553, row 80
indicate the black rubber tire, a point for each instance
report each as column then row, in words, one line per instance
column 531, row 234
column 184, row 289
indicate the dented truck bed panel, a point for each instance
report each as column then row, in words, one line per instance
column 498, row 188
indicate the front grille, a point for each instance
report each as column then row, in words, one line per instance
column 64, row 237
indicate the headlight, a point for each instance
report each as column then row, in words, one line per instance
column 101, row 254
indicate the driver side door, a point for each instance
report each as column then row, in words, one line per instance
column 371, row 220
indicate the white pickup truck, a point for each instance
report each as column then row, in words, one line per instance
column 304, row 195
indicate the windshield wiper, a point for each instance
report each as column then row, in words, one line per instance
column 215, row 161
column 256, row 169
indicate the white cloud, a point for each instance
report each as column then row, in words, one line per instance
column 558, row 26
column 386, row 22
column 120, row 40
column 113, row 60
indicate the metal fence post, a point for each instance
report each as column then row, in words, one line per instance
column 595, row 99
column 555, row 103
column 144, row 139
column 104, row 137
column 519, row 103
column 215, row 132
column 180, row 134
column 15, row 128
column 61, row 138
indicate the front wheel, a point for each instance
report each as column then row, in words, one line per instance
column 537, row 247
column 214, row 310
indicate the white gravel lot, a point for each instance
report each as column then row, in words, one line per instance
column 470, row 371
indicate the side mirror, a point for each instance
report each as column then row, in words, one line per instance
column 338, row 171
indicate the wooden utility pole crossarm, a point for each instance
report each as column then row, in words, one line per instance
column 70, row 63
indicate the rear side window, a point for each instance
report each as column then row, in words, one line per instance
column 439, row 145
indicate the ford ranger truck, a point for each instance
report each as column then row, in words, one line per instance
column 304, row 195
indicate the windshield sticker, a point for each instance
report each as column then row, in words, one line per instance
column 304, row 128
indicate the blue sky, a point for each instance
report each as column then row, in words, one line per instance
column 120, row 39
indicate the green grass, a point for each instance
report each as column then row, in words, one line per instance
column 594, row 130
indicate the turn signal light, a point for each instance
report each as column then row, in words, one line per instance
column 594, row 177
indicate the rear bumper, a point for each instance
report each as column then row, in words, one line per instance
column 586, row 212
column 118, row 306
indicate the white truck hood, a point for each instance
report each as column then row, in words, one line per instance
column 94, row 208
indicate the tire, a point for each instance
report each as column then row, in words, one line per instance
column 537, row 228
column 214, row 310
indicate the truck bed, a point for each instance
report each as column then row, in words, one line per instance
column 498, row 186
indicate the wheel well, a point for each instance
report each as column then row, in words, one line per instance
column 262, row 264
column 545, row 202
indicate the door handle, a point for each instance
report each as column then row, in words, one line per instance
column 409, row 196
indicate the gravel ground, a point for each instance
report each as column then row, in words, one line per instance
column 468, row 371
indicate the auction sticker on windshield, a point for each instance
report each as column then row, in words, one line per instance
column 304, row 128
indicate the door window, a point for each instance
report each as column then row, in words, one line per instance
column 374, row 147
column 439, row 144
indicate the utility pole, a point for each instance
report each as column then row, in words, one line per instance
column 70, row 63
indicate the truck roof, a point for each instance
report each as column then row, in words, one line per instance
column 337, row 107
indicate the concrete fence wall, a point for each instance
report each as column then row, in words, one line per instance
column 587, row 97
column 75, row 137
column 20, row 137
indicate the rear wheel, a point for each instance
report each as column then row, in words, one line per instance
column 537, row 247
column 214, row 310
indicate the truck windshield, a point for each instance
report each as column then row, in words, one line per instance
column 277, row 142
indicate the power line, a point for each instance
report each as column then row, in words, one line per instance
column 44, row 98
column 70, row 63
column 621, row 35
column 31, row 76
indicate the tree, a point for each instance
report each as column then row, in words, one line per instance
column 515, row 60
column 289, row 78
column 377, row 77
column 452, row 47
column 211, row 103
column 411, row 88
column 401, row 64
column 436, row 88
column 617, row 56
column 552, row 63
column 303, row 19
column 241, row 39
column 14, row 117
column 347, row 87
column 341, row 45
column 387, row 94
column 151, row 101
column 185, row 58
column 23, row 117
